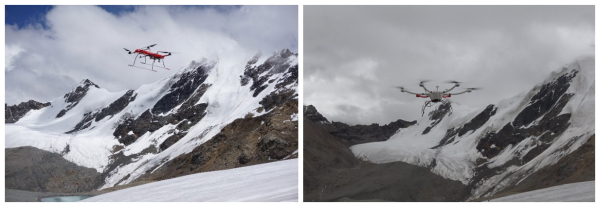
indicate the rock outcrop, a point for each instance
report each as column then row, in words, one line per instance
column 13, row 113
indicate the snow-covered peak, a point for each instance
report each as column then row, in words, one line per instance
column 128, row 133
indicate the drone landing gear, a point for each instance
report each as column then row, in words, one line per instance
column 142, row 68
column 152, row 65
column 431, row 103
column 157, row 66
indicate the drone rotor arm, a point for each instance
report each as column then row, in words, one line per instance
column 467, row 91
column 446, row 91
column 406, row 91
column 426, row 90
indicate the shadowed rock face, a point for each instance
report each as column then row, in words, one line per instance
column 76, row 95
column 186, row 116
column 13, row 113
column 357, row 134
column 311, row 113
column 274, row 65
column 472, row 125
column 32, row 169
column 437, row 115
column 548, row 102
column 182, row 89
column 112, row 109
column 332, row 173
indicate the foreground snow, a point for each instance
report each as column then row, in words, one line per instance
column 276, row 181
column 583, row 191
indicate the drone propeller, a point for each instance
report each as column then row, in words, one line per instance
column 168, row 52
column 424, row 81
column 455, row 82
column 473, row 89
column 400, row 87
column 148, row 47
column 127, row 50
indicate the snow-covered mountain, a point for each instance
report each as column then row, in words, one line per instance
column 128, row 134
column 500, row 145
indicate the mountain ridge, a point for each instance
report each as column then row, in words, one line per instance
column 125, row 135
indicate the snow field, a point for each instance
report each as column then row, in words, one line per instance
column 270, row 182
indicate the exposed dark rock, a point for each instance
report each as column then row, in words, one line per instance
column 61, row 113
column 437, row 115
column 472, row 125
column 187, row 115
column 84, row 123
column 181, row 90
column 243, row 159
column 76, row 95
column 274, row 147
column 545, row 99
column 312, row 114
column 277, row 98
column 117, row 106
column 13, row 113
column 358, row 134
column 170, row 141
column 273, row 65
column 550, row 128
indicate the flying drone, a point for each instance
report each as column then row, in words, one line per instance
column 437, row 95
column 145, row 53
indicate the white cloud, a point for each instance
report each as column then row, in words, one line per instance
column 11, row 53
column 87, row 42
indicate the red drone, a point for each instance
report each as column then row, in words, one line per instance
column 145, row 52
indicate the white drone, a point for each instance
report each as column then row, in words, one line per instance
column 437, row 95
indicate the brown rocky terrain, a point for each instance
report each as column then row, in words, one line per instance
column 332, row 173
column 244, row 142
column 32, row 169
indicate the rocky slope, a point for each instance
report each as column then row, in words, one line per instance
column 332, row 173
column 32, row 169
column 356, row 134
column 213, row 114
column 13, row 113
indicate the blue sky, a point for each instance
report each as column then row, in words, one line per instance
column 23, row 15
column 58, row 46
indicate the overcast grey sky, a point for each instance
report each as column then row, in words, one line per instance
column 354, row 55
column 79, row 42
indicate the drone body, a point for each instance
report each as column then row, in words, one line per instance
column 437, row 95
column 145, row 53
